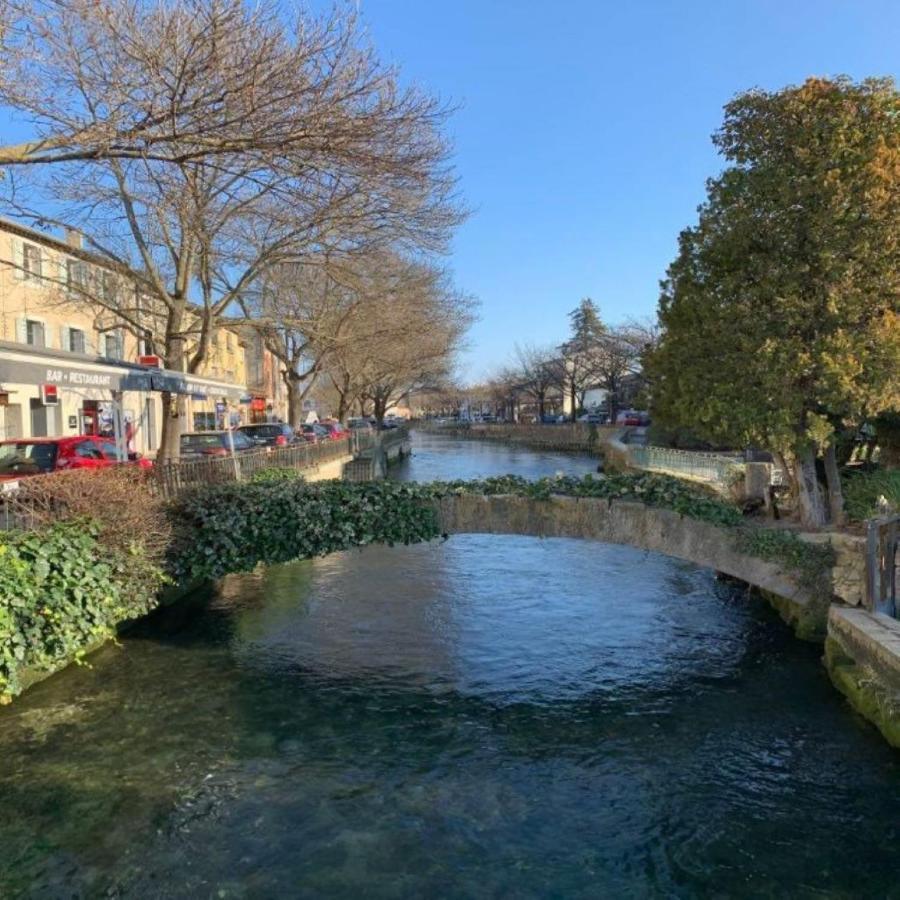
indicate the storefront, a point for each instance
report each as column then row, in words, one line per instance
column 53, row 393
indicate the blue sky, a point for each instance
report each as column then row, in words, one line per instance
column 583, row 137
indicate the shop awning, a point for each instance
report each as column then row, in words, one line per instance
column 19, row 365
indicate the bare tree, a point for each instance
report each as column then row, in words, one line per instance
column 538, row 368
column 199, row 143
column 403, row 334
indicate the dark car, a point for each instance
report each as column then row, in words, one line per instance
column 204, row 444
column 313, row 433
column 270, row 434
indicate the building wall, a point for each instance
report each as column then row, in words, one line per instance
column 40, row 308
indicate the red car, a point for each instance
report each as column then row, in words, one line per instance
column 336, row 431
column 37, row 456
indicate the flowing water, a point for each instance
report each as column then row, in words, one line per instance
column 497, row 717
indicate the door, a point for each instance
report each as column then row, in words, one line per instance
column 38, row 418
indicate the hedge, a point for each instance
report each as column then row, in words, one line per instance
column 61, row 591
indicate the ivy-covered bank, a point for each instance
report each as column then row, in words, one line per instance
column 65, row 587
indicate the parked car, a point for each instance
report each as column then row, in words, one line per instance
column 593, row 418
column 312, row 433
column 270, row 434
column 22, row 457
column 553, row 419
column 359, row 424
column 335, row 431
column 206, row 444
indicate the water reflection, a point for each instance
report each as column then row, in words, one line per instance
column 490, row 716
column 436, row 457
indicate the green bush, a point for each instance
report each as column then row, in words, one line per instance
column 233, row 527
column 276, row 473
column 61, row 591
column 862, row 490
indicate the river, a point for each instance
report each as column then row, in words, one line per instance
column 487, row 717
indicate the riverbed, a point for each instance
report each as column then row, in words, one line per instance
column 490, row 716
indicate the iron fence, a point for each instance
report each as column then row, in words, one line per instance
column 712, row 468
column 179, row 475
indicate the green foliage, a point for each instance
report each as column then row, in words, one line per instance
column 810, row 561
column 862, row 491
column 61, row 590
column 780, row 314
column 233, row 527
column 654, row 490
column 276, row 473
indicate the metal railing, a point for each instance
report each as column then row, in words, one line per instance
column 712, row 468
column 174, row 477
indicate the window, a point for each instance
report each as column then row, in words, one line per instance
column 76, row 275
column 88, row 450
column 76, row 340
column 112, row 345
column 31, row 262
column 107, row 287
column 34, row 333
column 204, row 421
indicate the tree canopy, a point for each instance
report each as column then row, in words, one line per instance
column 781, row 312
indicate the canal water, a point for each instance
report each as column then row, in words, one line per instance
column 489, row 717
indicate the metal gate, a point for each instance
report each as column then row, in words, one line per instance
column 882, row 560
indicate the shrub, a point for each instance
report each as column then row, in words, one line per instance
column 61, row 590
column 863, row 489
column 233, row 527
column 276, row 473
column 129, row 517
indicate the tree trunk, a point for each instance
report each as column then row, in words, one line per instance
column 294, row 399
column 542, row 403
column 835, row 491
column 174, row 405
column 809, row 492
column 573, row 399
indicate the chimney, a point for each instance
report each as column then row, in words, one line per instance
column 74, row 238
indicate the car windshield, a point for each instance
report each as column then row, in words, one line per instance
column 199, row 441
column 23, row 457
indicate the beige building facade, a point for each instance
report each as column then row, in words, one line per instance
column 67, row 367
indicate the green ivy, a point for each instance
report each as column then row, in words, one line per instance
column 811, row 562
column 276, row 473
column 60, row 592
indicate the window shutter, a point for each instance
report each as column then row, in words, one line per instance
column 21, row 331
column 120, row 345
column 18, row 259
column 64, row 342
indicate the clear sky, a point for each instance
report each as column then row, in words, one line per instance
column 583, row 137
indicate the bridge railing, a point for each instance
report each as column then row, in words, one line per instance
column 712, row 468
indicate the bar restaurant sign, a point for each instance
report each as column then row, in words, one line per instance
column 71, row 375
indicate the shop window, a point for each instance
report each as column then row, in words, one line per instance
column 31, row 262
column 204, row 421
column 34, row 333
